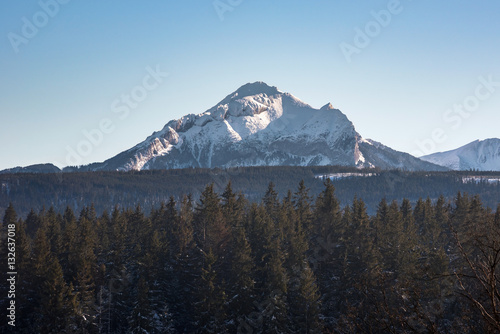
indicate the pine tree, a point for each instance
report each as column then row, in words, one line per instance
column 271, row 202
column 381, row 216
column 53, row 223
column 40, row 256
column 85, row 295
column 261, row 235
column 302, row 203
column 185, row 237
column 359, row 240
column 68, row 242
column 185, row 261
column 33, row 223
column 57, row 304
column 231, row 206
column 328, row 223
column 275, row 319
column 308, row 317
column 55, row 301
column 242, row 276
column 84, row 262
column 419, row 215
column 362, row 266
column 460, row 213
column 298, row 247
column 10, row 216
column 211, row 298
column 140, row 229
column 179, row 227
column 390, row 235
column 141, row 316
column 117, row 273
column 104, row 241
column 408, row 255
column 211, row 228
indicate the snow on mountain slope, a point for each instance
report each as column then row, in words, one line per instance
column 483, row 155
column 260, row 125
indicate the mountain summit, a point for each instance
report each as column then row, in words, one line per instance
column 483, row 155
column 258, row 125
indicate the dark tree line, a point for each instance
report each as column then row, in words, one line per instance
column 291, row 264
column 152, row 187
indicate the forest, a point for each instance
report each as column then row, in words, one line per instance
column 150, row 188
column 220, row 263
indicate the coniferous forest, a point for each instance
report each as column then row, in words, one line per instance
column 149, row 188
column 287, row 263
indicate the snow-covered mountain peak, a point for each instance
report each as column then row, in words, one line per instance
column 259, row 125
column 256, row 88
column 327, row 106
column 478, row 155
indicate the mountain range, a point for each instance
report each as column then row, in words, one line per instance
column 481, row 155
column 259, row 125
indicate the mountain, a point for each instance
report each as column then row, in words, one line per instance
column 482, row 155
column 39, row 169
column 258, row 125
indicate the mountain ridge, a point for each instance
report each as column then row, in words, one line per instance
column 482, row 155
column 259, row 125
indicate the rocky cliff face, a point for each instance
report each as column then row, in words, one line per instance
column 259, row 125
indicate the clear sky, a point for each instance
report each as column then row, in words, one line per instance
column 419, row 76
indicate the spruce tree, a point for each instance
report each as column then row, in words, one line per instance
column 261, row 235
column 409, row 253
column 359, row 238
column 85, row 266
column 327, row 222
column 211, row 227
column 309, row 306
column 179, row 227
column 185, row 263
column 56, row 304
column 141, row 318
column 53, row 223
column 242, row 276
column 231, row 206
column 276, row 317
column 68, row 243
column 271, row 202
column 390, row 235
column 33, row 223
column 328, row 247
column 302, row 203
column 211, row 298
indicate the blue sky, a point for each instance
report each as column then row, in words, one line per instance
column 406, row 85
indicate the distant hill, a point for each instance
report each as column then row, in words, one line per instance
column 39, row 168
